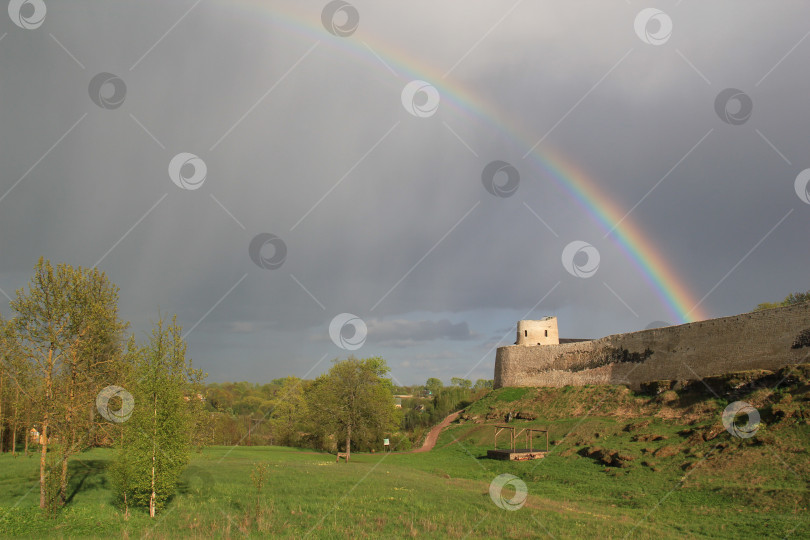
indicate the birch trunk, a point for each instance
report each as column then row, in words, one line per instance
column 66, row 450
column 26, row 433
column 43, row 496
column 152, row 498
column 16, row 423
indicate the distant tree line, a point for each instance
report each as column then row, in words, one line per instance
column 293, row 412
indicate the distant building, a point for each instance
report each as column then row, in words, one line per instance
column 542, row 332
column 36, row 437
column 398, row 399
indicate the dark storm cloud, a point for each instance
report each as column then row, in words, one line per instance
column 384, row 214
column 401, row 333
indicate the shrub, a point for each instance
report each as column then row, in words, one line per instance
column 802, row 340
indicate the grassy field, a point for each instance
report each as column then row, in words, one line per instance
column 641, row 471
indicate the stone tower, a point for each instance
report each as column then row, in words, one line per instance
column 542, row 332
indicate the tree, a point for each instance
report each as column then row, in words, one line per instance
column 4, row 377
column 67, row 327
column 287, row 408
column 461, row 383
column 42, row 323
column 7, row 372
column 791, row 299
column 354, row 400
column 433, row 385
column 796, row 298
column 157, row 437
column 92, row 362
column 482, row 384
column 15, row 384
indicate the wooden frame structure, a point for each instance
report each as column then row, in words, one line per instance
column 514, row 453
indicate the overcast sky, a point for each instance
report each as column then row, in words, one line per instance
column 262, row 168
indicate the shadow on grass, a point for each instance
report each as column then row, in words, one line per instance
column 90, row 475
column 196, row 482
column 86, row 475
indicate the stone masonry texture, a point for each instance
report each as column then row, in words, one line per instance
column 769, row 339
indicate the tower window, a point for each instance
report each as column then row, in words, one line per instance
column 546, row 333
column 525, row 333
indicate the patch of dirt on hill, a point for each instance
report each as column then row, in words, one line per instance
column 612, row 458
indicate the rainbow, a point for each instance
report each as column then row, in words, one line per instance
column 630, row 238
column 674, row 294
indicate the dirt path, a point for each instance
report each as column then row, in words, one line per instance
column 433, row 436
column 430, row 440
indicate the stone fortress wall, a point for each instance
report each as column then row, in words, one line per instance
column 769, row 339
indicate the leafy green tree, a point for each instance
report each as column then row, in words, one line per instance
column 433, row 385
column 67, row 327
column 92, row 362
column 248, row 405
column 461, row 383
column 482, row 384
column 354, row 400
column 796, row 298
column 157, row 438
column 218, row 398
column 16, row 385
column 42, row 323
column 3, row 382
column 791, row 299
column 287, row 411
column 12, row 367
column 5, row 378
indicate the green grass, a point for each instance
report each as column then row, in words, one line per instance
column 443, row 493
column 509, row 394
column 673, row 483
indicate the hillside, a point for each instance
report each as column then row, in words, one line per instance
column 670, row 427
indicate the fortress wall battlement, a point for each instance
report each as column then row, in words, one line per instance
column 768, row 339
